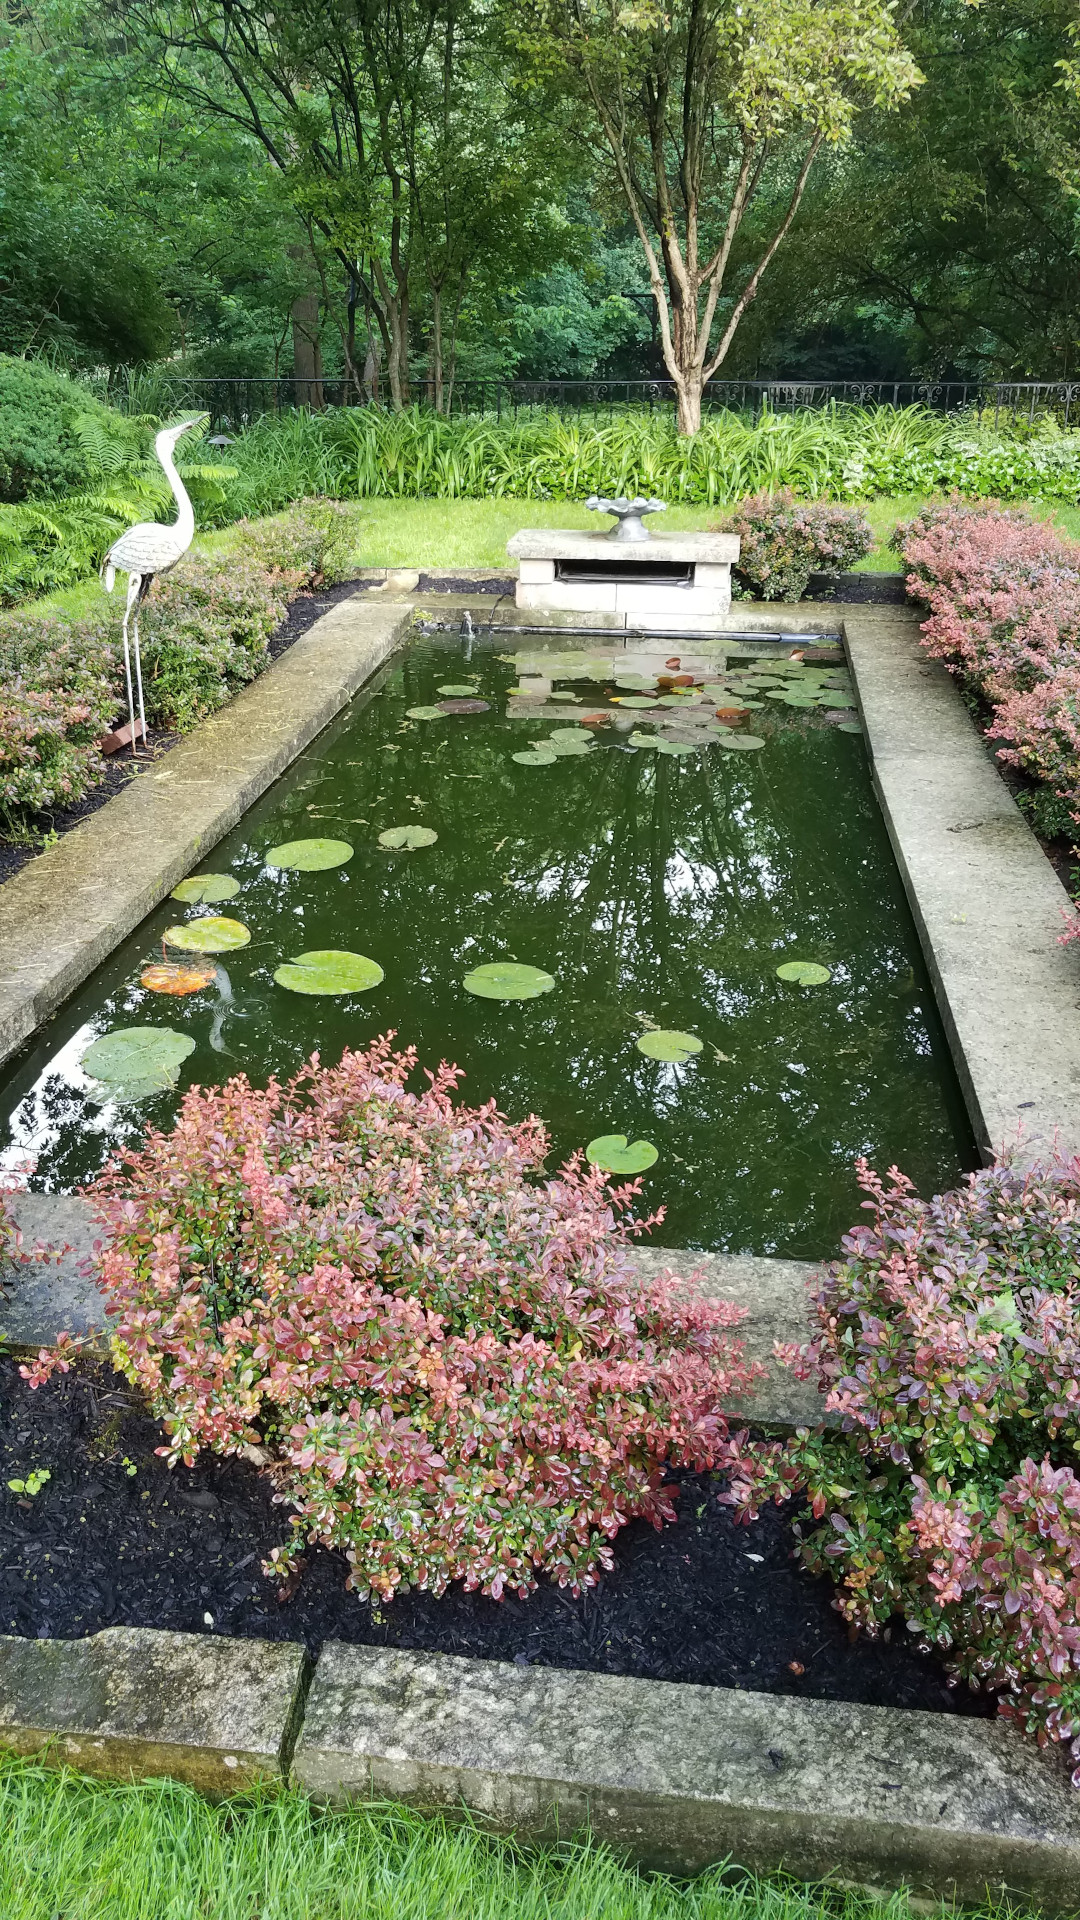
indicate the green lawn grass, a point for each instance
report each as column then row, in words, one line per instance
column 474, row 533
column 73, row 1849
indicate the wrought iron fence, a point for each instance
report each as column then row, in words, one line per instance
column 233, row 404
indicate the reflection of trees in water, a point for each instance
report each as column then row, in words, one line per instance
column 648, row 886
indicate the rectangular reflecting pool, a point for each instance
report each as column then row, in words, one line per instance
column 704, row 837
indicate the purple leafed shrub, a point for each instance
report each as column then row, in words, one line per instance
column 948, row 1342
column 784, row 540
column 442, row 1356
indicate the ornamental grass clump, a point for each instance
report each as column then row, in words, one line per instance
column 441, row 1355
column 783, row 541
column 948, row 1343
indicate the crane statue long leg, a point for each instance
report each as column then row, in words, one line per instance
column 134, row 589
column 148, row 549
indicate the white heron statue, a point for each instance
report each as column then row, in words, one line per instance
column 147, row 549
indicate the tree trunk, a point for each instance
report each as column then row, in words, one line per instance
column 307, row 353
column 437, row 348
column 688, row 409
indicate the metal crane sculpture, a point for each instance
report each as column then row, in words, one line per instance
column 145, row 550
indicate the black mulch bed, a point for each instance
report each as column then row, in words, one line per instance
column 122, row 767
column 102, row 1545
column 859, row 589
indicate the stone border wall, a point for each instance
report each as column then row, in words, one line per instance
column 675, row 1777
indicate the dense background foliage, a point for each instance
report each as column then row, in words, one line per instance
column 468, row 218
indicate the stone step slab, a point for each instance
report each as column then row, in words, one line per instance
column 220, row 1714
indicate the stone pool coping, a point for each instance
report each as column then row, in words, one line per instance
column 673, row 1777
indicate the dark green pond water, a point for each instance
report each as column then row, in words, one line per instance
column 659, row 891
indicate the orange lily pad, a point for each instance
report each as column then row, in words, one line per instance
column 177, row 981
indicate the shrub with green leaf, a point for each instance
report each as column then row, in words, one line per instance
column 948, row 1344
column 783, row 541
column 204, row 633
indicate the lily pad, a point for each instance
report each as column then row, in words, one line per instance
column 578, row 749
column 662, row 1044
column 849, row 726
column 573, row 697
column 744, row 742
column 458, row 693
column 408, row 837
column 329, row 971
column 536, row 757
column 833, row 698
column 567, row 733
column 465, row 706
column 507, row 980
column 215, row 934
column 425, row 713
column 677, row 748
column 167, row 977
column 804, row 973
column 643, row 739
column 309, row 856
column 205, row 889
column 614, row 1154
column 136, row 1062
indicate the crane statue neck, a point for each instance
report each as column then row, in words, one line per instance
column 185, row 518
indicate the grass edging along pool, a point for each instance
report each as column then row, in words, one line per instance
column 67, row 910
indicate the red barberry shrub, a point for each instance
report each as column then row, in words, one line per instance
column 443, row 1354
column 784, row 540
column 948, row 1342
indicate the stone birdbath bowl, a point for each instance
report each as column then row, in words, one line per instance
column 629, row 515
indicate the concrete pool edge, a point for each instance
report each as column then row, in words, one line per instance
column 986, row 901
column 66, row 911
column 672, row 1776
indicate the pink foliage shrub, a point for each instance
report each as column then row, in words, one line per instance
column 949, row 1344
column 1004, row 599
column 445, row 1361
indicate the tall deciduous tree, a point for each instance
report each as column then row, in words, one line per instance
column 700, row 104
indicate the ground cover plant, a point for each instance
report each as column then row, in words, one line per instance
column 446, row 1361
column 204, row 632
column 1003, row 594
column 838, row 452
column 949, row 1343
column 126, row 1851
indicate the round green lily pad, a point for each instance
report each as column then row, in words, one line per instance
column 309, row 856
column 572, row 749
column 804, row 973
column 426, row 713
column 575, row 735
column 536, row 757
column 614, row 1154
column 633, row 700
column 205, row 889
column 329, row 971
column 678, row 749
column 849, row 726
column 458, row 693
column 408, row 837
column 575, row 698
column 136, row 1062
column 833, row 698
column 215, row 934
column 643, row 739
column 507, row 980
column 747, row 742
column 660, row 1044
